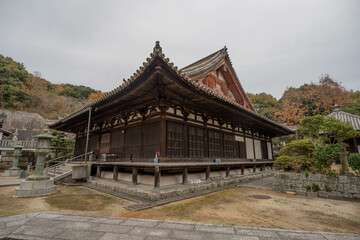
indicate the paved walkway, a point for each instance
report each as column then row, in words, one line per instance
column 9, row 182
column 46, row 225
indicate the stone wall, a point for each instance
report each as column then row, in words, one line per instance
column 345, row 186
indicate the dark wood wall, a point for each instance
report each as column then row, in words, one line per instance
column 176, row 136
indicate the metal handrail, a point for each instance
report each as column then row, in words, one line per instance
column 65, row 162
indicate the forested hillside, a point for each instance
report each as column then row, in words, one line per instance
column 21, row 90
column 307, row 100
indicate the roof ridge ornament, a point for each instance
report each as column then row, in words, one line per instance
column 157, row 49
column 336, row 108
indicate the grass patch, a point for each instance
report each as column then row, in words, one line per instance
column 69, row 199
column 185, row 209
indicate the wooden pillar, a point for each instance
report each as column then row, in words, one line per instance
column 242, row 169
column 98, row 171
column 157, row 177
column 116, row 173
column 272, row 150
column 254, row 168
column 272, row 166
column 227, row 171
column 185, row 175
column 207, row 172
column 262, row 167
column 135, row 176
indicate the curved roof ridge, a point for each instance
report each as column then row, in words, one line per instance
column 205, row 63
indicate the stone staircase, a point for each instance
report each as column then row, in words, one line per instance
column 59, row 172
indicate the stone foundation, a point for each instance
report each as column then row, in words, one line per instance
column 155, row 194
column 35, row 188
column 340, row 187
column 12, row 173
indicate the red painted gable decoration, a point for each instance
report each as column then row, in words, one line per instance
column 222, row 80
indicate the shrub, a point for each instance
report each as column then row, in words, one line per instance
column 325, row 156
column 284, row 162
column 315, row 187
column 297, row 163
column 354, row 162
column 302, row 147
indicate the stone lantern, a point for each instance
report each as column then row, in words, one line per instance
column 43, row 148
column 38, row 184
column 14, row 170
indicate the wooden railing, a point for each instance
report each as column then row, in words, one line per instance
column 10, row 144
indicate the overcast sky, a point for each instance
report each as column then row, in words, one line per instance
column 272, row 44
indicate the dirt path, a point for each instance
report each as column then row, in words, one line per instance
column 234, row 206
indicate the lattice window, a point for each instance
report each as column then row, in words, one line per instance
column 214, row 144
column 196, row 142
column 228, row 146
column 175, row 141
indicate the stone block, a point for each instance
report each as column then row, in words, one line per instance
column 214, row 229
column 156, row 232
column 139, row 223
column 343, row 179
column 49, row 183
column 39, row 184
column 301, row 193
column 191, row 235
column 314, row 177
column 176, row 226
column 312, row 194
column 80, row 234
column 26, row 184
column 79, row 171
column 12, row 173
column 323, row 194
column 35, row 188
column 119, row 236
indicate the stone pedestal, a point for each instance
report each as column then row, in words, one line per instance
column 35, row 188
column 12, row 173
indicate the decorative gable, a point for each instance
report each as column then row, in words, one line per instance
column 215, row 72
column 223, row 81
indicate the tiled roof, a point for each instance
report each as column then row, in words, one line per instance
column 158, row 53
column 354, row 120
column 205, row 63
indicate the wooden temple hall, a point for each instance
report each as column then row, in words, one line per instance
column 194, row 120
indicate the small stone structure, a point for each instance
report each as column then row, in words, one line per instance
column 339, row 187
column 38, row 184
column 14, row 170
